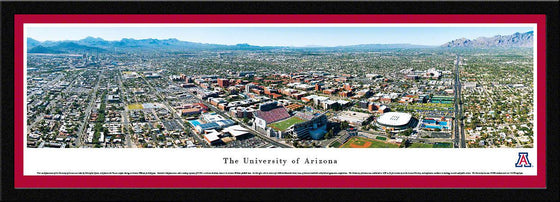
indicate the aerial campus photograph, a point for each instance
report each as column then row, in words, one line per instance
column 279, row 87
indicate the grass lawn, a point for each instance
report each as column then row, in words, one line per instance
column 361, row 142
column 443, row 145
column 135, row 106
column 285, row 124
column 381, row 138
column 428, row 106
column 335, row 144
column 420, row 145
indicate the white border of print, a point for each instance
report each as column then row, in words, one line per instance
column 468, row 161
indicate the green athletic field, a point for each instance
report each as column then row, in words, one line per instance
column 285, row 124
column 420, row 145
column 335, row 144
column 443, row 145
column 361, row 142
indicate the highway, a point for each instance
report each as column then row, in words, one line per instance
column 459, row 133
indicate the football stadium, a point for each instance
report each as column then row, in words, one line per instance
column 312, row 126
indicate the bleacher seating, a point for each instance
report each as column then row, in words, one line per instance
column 305, row 116
column 273, row 115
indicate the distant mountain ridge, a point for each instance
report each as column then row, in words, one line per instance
column 386, row 46
column 99, row 45
column 96, row 44
column 515, row 40
column 92, row 44
column 65, row 47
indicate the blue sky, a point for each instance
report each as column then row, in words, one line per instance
column 278, row 36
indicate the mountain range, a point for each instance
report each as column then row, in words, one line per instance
column 91, row 44
column 514, row 40
column 99, row 45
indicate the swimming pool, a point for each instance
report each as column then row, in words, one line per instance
column 194, row 123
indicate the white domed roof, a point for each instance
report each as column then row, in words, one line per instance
column 394, row 119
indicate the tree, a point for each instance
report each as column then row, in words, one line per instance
column 407, row 143
column 344, row 125
column 96, row 137
column 288, row 136
column 389, row 134
column 329, row 134
column 105, row 131
column 407, row 132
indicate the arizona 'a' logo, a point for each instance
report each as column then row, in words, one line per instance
column 523, row 160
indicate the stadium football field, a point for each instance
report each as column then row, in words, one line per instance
column 285, row 124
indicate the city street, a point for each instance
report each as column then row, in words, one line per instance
column 459, row 131
column 79, row 141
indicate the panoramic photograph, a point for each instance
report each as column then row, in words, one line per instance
column 264, row 86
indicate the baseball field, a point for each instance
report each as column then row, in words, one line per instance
column 362, row 142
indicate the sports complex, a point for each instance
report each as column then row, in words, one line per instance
column 396, row 121
column 285, row 124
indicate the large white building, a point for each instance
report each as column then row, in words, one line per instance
column 396, row 121
column 354, row 118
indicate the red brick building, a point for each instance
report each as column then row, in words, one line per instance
column 345, row 94
column 223, row 83
column 329, row 91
